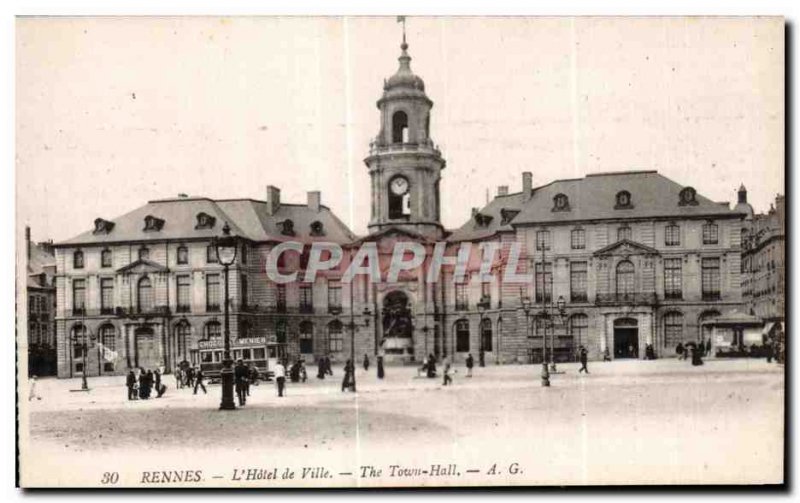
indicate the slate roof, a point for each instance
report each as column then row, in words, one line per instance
column 592, row 198
column 247, row 218
column 41, row 259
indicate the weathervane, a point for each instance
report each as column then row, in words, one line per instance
column 402, row 19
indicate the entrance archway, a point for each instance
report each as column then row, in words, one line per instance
column 626, row 338
column 146, row 354
column 397, row 327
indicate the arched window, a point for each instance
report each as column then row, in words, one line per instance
column 625, row 279
column 108, row 337
column 306, row 337
column 335, row 341
column 213, row 330
column 399, row 127
column 182, row 334
column 673, row 329
column 560, row 202
column 77, row 260
column 462, row 336
column 145, row 295
column 486, row 335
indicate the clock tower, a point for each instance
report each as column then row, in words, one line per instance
column 404, row 164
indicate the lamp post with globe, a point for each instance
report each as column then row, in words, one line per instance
column 226, row 247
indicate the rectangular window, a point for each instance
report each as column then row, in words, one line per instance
column 486, row 292
column 710, row 234
column 211, row 254
column 183, row 293
column 213, row 294
column 542, row 240
column 673, row 278
column 280, row 298
column 306, row 299
column 182, row 255
column 577, row 282
column 672, row 235
column 578, row 239
column 710, row 279
column 105, row 258
column 334, row 296
column 544, row 281
column 107, row 295
column 244, row 291
column 461, row 297
column 144, row 253
column 624, row 232
column 336, row 341
column 79, row 296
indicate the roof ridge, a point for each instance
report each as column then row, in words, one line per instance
column 615, row 173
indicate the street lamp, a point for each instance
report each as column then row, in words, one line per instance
column 226, row 247
column 84, row 349
column 483, row 305
column 560, row 305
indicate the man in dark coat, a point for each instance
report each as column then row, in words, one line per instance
column 348, row 375
column 470, row 363
column 240, row 380
column 198, row 381
column 584, row 356
column 328, row 368
column 679, row 349
column 366, row 362
column 380, row 367
column 321, row 370
column 431, row 366
column 130, row 382
column 143, row 384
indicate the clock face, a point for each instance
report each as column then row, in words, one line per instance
column 399, row 186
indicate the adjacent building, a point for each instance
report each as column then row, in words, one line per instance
column 636, row 259
column 41, row 289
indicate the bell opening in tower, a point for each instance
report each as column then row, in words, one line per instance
column 400, row 127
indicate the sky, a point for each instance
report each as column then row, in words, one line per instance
column 112, row 112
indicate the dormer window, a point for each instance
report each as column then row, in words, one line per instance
column 287, row 227
column 507, row 215
column 688, row 197
column 102, row 226
column 561, row 202
column 152, row 223
column 623, row 200
column 482, row 220
column 317, row 228
column 205, row 221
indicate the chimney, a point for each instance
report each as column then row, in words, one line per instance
column 273, row 199
column 502, row 190
column 527, row 185
column 314, row 198
column 28, row 241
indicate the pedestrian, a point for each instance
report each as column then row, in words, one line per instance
column 151, row 379
column 380, row 367
column 470, row 364
column 142, row 384
column 679, row 349
column 32, row 393
column 481, row 358
column 447, row 377
column 348, row 373
column 294, row 371
column 280, row 377
column 584, row 356
column 366, row 362
column 190, row 377
column 321, row 368
column 328, row 368
column 431, row 366
column 702, row 348
column 606, row 355
column 178, row 378
column 130, row 382
column 157, row 379
column 303, row 373
column 197, row 376
column 768, row 351
column 240, row 380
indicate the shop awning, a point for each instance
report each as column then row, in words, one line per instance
column 768, row 328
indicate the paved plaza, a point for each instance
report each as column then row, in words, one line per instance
column 660, row 421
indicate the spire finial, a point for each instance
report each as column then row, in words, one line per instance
column 402, row 19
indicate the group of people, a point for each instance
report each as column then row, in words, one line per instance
column 694, row 351
column 141, row 387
